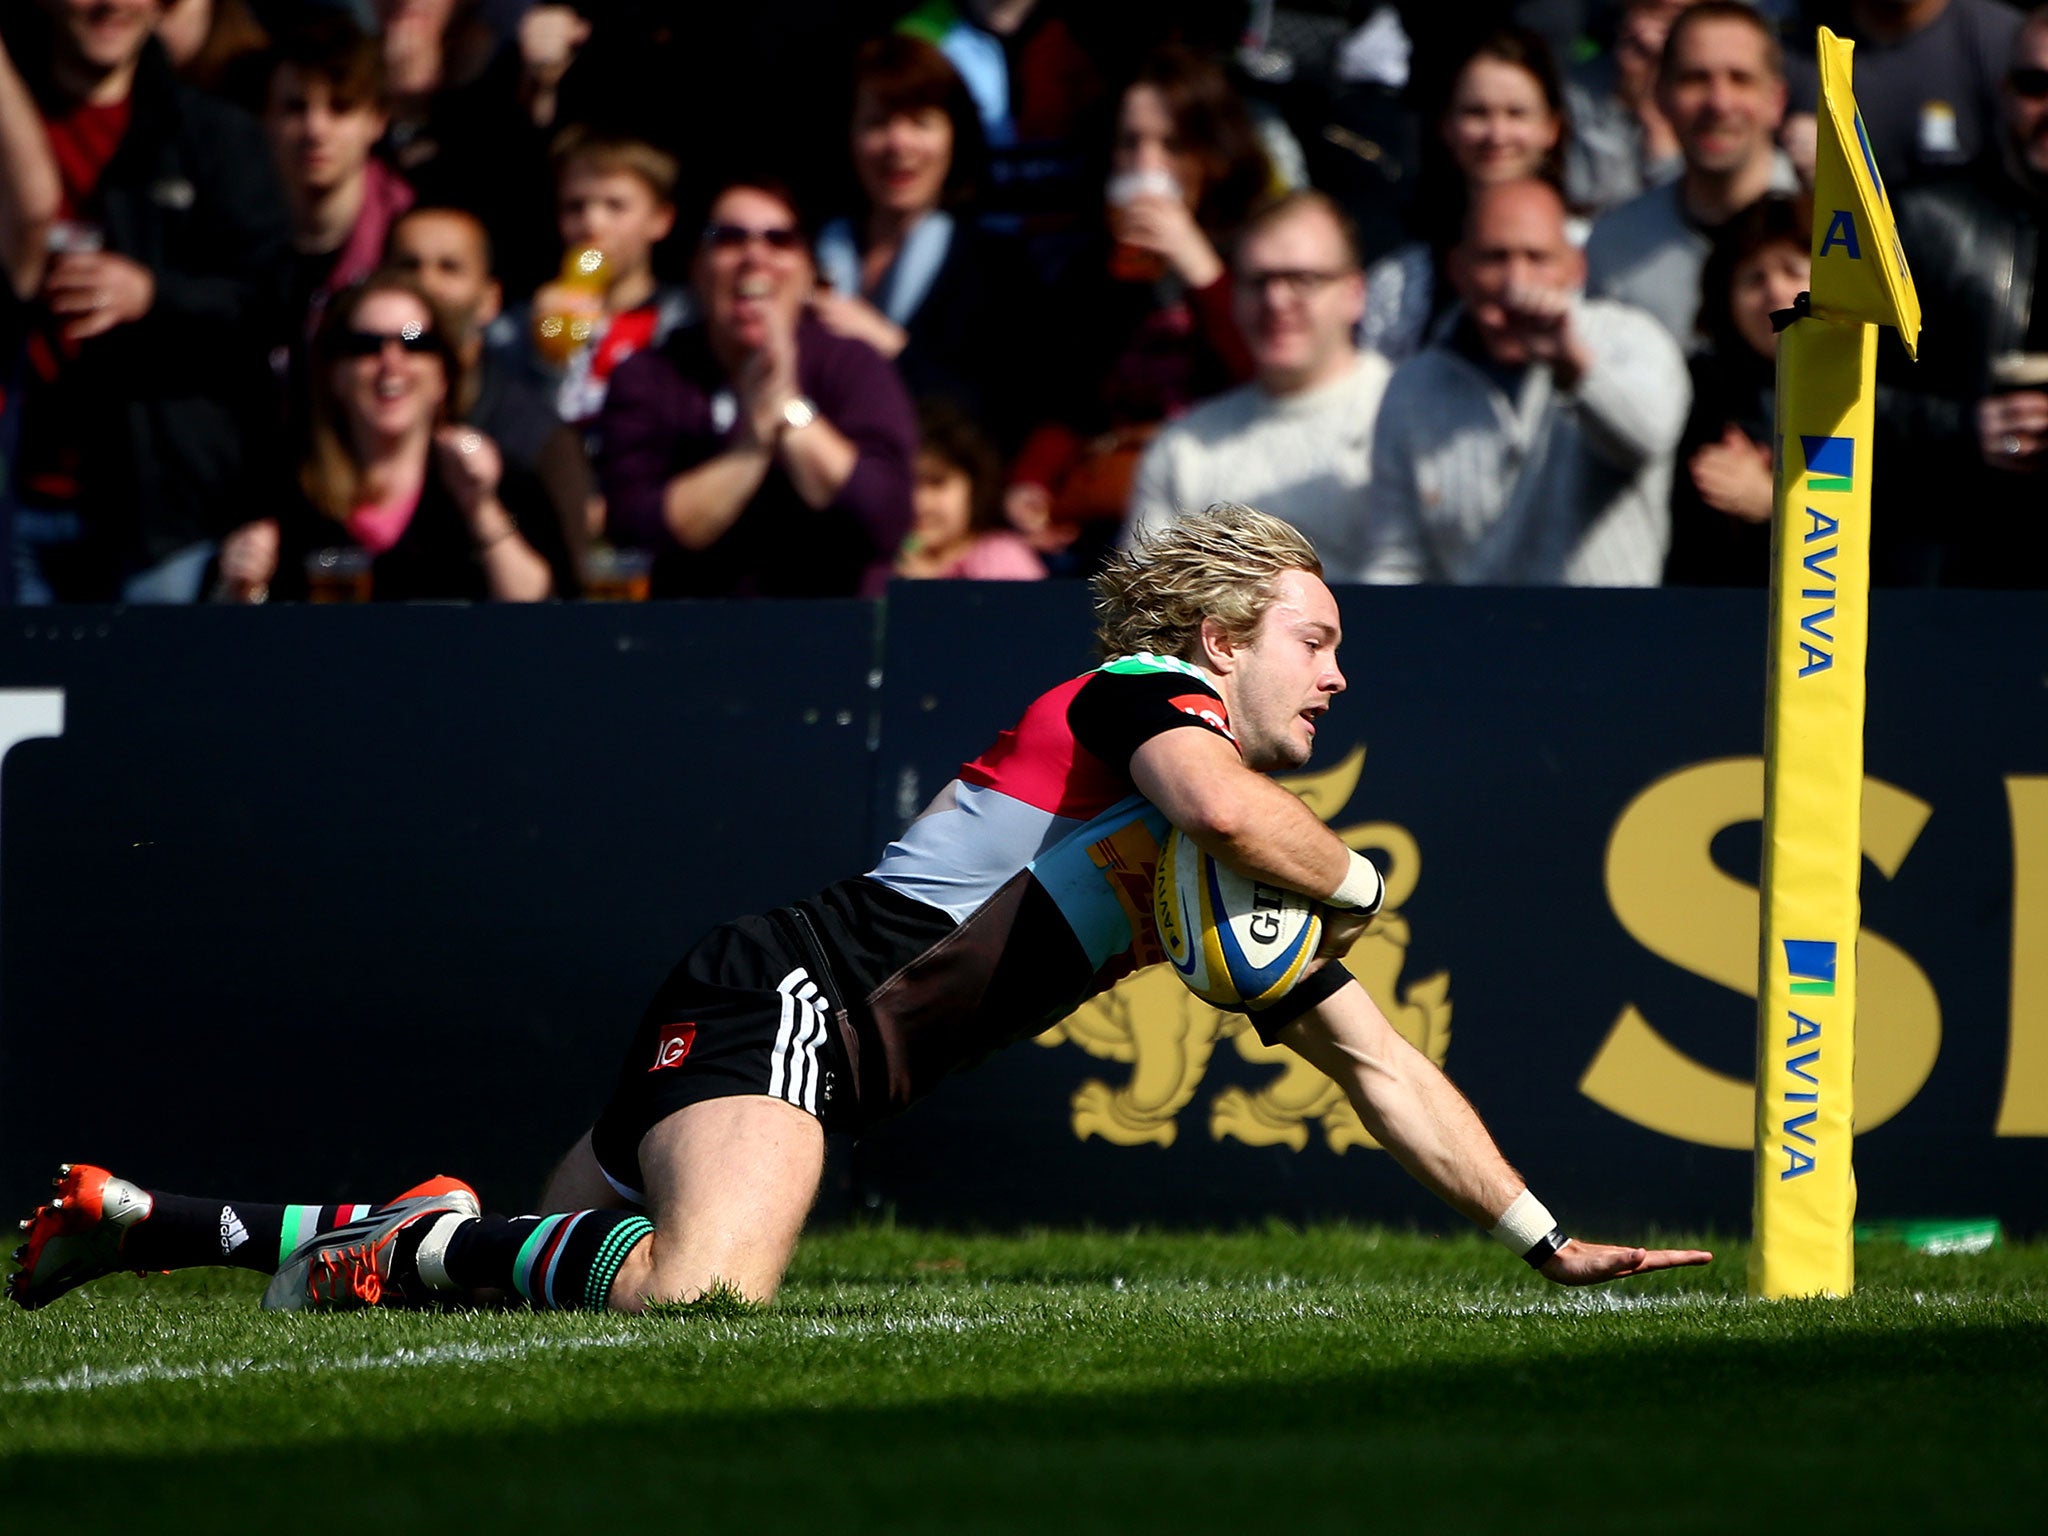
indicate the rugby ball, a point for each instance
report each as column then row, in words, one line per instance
column 1236, row 943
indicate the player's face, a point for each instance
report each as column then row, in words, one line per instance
column 1287, row 676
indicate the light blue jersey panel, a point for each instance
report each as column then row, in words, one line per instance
column 1100, row 877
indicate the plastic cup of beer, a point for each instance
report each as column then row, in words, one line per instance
column 1131, row 263
column 612, row 575
column 2019, row 370
column 338, row 576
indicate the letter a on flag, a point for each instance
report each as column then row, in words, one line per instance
column 1859, row 269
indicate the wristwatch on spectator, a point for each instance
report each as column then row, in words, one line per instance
column 798, row 412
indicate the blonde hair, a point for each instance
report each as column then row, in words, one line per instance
column 1219, row 564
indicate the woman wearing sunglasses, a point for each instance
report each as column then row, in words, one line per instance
column 385, row 476
column 757, row 453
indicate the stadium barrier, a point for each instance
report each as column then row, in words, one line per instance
column 313, row 902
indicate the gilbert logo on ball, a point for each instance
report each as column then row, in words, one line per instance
column 1235, row 942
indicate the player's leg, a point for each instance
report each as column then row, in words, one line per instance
column 578, row 1183
column 730, row 1182
column 96, row 1224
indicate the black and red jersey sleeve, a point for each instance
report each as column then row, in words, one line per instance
column 1116, row 712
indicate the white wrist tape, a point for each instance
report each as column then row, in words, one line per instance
column 1362, row 889
column 1528, row 1230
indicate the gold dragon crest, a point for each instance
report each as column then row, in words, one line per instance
column 1167, row 1034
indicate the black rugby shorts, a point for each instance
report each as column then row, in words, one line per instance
column 747, row 1012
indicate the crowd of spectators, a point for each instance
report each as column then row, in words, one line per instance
column 516, row 300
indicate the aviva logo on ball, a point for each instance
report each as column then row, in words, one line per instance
column 1233, row 941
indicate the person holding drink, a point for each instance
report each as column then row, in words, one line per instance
column 1145, row 320
column 145, row 242
column 389, row 485
column 1963, row 434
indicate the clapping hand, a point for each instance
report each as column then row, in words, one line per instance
column 1733, row 475
column 470, row 466
column 767, row 382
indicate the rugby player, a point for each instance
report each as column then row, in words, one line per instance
column 985, row 923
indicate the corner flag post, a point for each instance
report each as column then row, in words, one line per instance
column 1813, row 755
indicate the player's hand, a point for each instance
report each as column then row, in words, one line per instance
column 1341, row 930
column 1578, row 1263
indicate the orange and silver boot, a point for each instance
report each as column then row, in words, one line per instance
column 77, row 1236
column 356, row 1264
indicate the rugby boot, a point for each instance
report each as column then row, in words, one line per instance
column 77, row 1236
column 362, row 1263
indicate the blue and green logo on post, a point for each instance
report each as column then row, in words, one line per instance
column 1811, row 963
column 1830, row 463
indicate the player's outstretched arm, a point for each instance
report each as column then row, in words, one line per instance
column 1430, row 1129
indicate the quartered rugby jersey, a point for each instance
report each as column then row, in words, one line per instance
column 1023, row 890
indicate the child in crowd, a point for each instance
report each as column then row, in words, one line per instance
column 616, row 197
column 957, row 527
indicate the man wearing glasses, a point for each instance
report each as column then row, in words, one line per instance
column 1296, row 441
column 756, row 453
column 1964, row 434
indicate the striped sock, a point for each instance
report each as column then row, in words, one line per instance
column 188, row 1231
column 565, row 1262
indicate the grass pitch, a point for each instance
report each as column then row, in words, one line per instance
column 1339, row 1379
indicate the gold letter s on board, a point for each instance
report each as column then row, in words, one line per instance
column 1673, row 900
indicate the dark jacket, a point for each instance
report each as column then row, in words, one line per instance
column 435, row 559
column 968, row 339
column 670, row 409
column 1709, row 548
column 184, row 394
column 1940, row 514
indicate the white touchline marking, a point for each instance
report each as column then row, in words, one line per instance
column 1583, row 1302
column 89, row 1378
